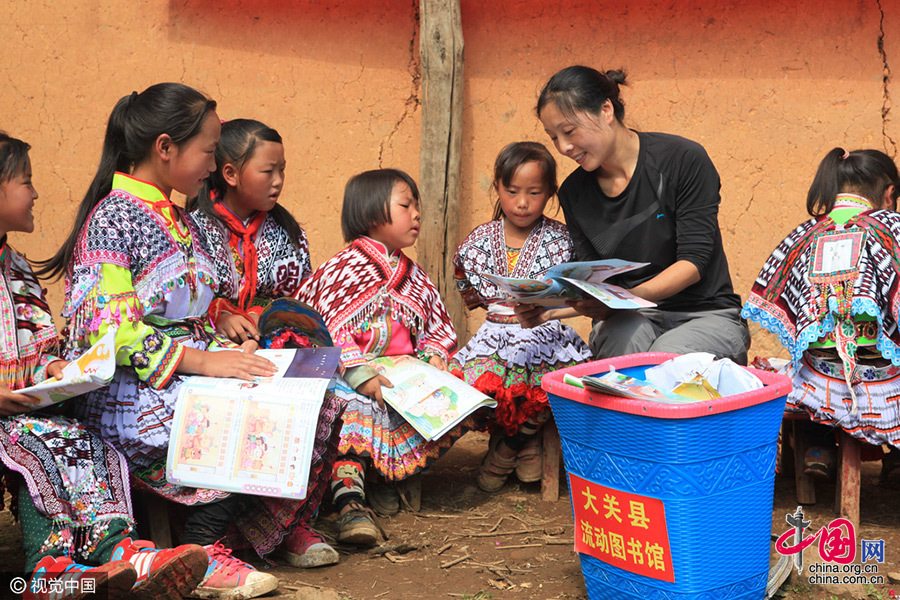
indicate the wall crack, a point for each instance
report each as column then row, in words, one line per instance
column 890, row 145
column 412, row 101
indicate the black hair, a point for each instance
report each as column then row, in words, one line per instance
column 512, row 157
column 237, row 143
column 367, row 200
column 580, row 88
column 867, row 173
column 13, row 157
column 134, row 125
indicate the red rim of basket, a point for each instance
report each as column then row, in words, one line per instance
column 775, row 386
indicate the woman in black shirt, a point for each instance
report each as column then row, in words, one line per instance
column 644, row 197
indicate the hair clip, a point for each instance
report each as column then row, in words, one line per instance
column 846, row 155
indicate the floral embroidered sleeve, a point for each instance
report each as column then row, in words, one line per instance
column 109, row 299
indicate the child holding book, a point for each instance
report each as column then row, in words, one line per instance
column 503, row 359
column 69, row 488
column 261, row 253
column 378, row 302
column 132, row 261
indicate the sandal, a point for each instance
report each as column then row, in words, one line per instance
column 529, row 460
column 494, row 469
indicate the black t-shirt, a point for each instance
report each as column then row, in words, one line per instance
column 667, row 212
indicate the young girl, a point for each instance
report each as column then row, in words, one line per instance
column 829, row 292
column 134, row 262
column 70, row 489
column 502, row 359
column 266, row 250
column 261, row 254
column 378, row 302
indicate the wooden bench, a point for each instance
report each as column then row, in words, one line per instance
column 152, row 513
column 846, row 495
column 551, row 451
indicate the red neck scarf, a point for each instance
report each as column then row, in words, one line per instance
column 241, row 235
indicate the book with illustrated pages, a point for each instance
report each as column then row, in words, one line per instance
column 571, row 281
column 431, row 400
column 92, row 370
column 615, row 383
column 252, row 437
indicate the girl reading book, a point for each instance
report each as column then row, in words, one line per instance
column 133, row 261
column 503, row 359
column 261, row 253
column 378, row 302
column 69, row 488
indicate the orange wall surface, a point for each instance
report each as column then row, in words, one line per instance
column 766, row 87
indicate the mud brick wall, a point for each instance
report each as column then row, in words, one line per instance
column 766, row 87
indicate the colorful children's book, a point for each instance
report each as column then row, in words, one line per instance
column 431, row 400
column 573, row 281
column 615, row 383
column 252, row 437
column 92, row 370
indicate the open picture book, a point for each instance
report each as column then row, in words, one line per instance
column 92, row 370
column 573, row 281
column 252, row 437
column 431, row 400
column 615, row 383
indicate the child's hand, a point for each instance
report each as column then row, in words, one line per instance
column 530, row 315
column 372, row 389
column 55, row 369
column 238, row 328
column 437, row 362
column 12, row 403
column 241, row 365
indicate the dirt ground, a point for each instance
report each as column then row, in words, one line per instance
column 462, row 548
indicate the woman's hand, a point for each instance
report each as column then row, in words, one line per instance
column 437, row 362
column 243, row 364
column 12, row 403
column 55, row 369
column 238, row 328
column 372, row 389
column 589, row 307
column 530, row 315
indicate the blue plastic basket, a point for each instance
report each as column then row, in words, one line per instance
column 711, row 463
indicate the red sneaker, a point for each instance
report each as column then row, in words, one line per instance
column 55, row 578
column 163, row 573
column 305, row 548
column 229, row 577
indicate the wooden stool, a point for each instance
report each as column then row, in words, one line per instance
column 153, row 511
column 551, row 452
column 846, row 496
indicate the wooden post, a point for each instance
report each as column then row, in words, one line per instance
column 846, row 495
column 551, row 452
column 441, row 51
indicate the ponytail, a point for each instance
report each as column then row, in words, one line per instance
column 135, row 123
column 867, row 173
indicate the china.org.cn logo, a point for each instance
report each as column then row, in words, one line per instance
column 837, row 548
